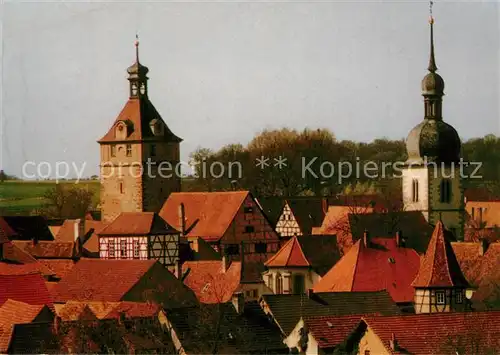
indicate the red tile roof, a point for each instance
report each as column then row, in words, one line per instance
column 330, row 331
column 208, row 214
column 138, row 113
column 16, row 312
column 380, row 266
column 137, row 223
column 47, row 249
column 100, row 280
column 481, row 269
column 60, row 267
column 22, row 269
column 439, row 266
column 480, row 195
column 439, row 333
column 134, row 310
column 92, row 243
column 290, row 255
column 209, row 282
column 27, row 288
column 123, row 280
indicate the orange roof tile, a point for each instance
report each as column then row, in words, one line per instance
column 380, row 266
column 27, row 288
column 290, row 254
column 22, row 269
column 16, row 312
column 138, row 113
column 47, row 249
column 209, row 282
column 60, row 267
column 100, row 280
column 137, row 223
column 439, row 267
column 481, row 269
column 134, row 310
column 439, row 333
column 208, row 214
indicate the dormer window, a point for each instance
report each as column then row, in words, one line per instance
column 121, row 130
column 156, row 127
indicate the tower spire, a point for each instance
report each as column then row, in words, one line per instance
column 432, row 61
column 136, row 48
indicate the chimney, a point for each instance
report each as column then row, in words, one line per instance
column 400, row 242
column 238, row 301
column 483, row 246
column 79, row 230
column 56, row 324
column 182, row 219
column 393, row 343
column 366, row 238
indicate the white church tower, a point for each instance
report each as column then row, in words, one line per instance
column 431, row 176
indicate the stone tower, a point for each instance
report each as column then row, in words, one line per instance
column 139, row 154
column 431, row 176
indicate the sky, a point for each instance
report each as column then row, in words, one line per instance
column 223, row 71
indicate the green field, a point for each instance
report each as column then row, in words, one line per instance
column 22, row 197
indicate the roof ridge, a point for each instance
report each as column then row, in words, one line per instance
column 278, row 252
column 358, row 250
column 302, row 252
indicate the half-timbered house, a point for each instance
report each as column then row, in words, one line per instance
column 140, row 235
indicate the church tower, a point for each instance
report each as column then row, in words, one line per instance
column 431, row 176
column 139, row 154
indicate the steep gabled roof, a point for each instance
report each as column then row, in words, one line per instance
column 320, row 252
column 439, row 333
column 381, row 265
column 137, row 223
column 138, row 114
column 100, row 280
column 207, row 214
column 210, row 282
column 272, row 206
column 439, row 266
column 27, row 288
column 308, row 212
column 288, row 309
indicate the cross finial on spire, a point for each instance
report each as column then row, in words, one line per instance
column 432, row 61
column 136, row 48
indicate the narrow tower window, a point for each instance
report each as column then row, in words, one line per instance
column 445, row 193
column 279, row 284
column 153, row 150
column 112, row 149
column 129, row 150
column 415, row 190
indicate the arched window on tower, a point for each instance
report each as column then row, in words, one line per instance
column 445, row 191
column 414, row 187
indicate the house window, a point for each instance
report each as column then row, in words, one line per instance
column 440, row 297
column 255, row 293
column 249, row 229
column 480, row 215
column 129, row 150
column 367, row 352
column 248, row 209
column 232, row 249
column 473, row 210
column 279, row 285
column 261, row 248
column 112, row 149
column 459, row 297
column 414, row 190
column 137, row 248
column 287, row 217
column 298, row 284
column 445, row 191
column 123, row 248
column 111, row 248
column 153, row 150
column 121, row 187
